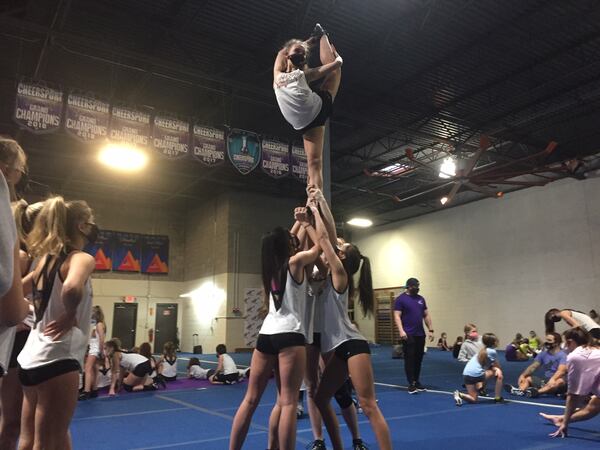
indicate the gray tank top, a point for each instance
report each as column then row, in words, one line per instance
column 586, row 321
column 337, row 327
column 291, row 316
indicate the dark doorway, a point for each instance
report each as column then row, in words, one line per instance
column 124, row 323
column 165, row 329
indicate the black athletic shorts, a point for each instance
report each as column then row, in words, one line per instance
column 227, row 379
column 170, row 378
column 38, row 375
column 473, row 380
column 316, row 340
column 142, row 369
column 20, row 339
column 272, row 344
column 353, row 347
column 324, row 114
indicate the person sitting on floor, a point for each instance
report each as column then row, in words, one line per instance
column 197, row 372
column 472, row 344
column 526, row 349
column 168, row 362
column 226, row 372
column 443, row 343
column 554, row 362
column 534, row 342
column 456, row 346
column 513, row 350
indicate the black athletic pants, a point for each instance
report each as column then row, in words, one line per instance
column 414, row 349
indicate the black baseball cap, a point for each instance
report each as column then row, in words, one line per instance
column 411, row 282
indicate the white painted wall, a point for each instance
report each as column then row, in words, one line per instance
column 498, row 263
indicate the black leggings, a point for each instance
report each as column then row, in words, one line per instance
column 414, row 349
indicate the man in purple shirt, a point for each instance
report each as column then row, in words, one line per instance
column 410, row 310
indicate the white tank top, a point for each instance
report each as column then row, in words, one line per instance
column 229, row 366
column 317, row 288
column 41, row 350
column 130, row 361
column 337, row 327
column 289, row 318
column 297, row 101
column 169, row 368
column 586, row 321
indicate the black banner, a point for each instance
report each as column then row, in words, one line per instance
column 38, row 107
column 86, row 117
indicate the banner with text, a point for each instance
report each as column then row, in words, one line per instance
column 102, row 251
column 275, row 158
column 130, row 125
column 170, row 136
column 38, row 107
column 209, row 145
column 243, row 149
column 126, row 256
column 155, row 254
column 86, row 117
column 299, row 164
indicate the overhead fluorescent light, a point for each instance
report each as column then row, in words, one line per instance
column 360, row 222
column 448, row 168
column 394, row 169
column 124, row 158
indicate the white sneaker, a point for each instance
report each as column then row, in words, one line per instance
column 457, row 399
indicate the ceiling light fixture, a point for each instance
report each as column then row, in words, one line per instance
column 122, row 157
column 448, row 168
column 360, row 222
column 444, row 200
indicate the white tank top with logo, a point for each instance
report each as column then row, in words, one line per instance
column 169, row 368
column 298, row 103
column 229, row 366
column 337, row 327
column 290, row 317
column 41, row 350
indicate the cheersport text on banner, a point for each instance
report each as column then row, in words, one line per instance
column 130, row 125
column 299, row 164
column 155, row 254
column 244, row 150
column 38, row 108
column 86, row 117
column 209, row 145
column 170, row 136
column 275, row 158
column 126, row 256
column 102, row 251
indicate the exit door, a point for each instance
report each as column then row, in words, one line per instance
column 124, row 323
column 165, row 329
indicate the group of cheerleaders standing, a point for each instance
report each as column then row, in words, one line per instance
column 307, row 275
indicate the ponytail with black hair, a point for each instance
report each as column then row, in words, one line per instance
column 275, row 258
column 351, row 263
column 550, row 319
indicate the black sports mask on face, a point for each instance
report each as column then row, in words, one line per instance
column 549, row 345
column 92, row 236
column 556, row 318
column 297, row 59
column 414, row 290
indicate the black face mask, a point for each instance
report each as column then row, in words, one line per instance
column 298, row 59
column 548, row 345
column 556, row 318
column 413, row 291
column 92, row 236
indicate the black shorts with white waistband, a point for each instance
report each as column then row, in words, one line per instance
column 353, row 347
column 272, row 344
column 142, row 369
column 324, row 114
column 230, row 378
column 38, row 375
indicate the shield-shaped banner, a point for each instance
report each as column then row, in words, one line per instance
column 244, row 150
column 208, row 145
column 275, row 158
column 170, row 136
column 86, row 117
column 38, row 107
column 298, row 163
column 130, row 125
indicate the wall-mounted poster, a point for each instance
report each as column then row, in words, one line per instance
column 209, row 145
column 155, row 254
column 102, row 251
column 170, row 136
column 299, row 164
column 253, row 300
column 126, row 255
column 38, row 107
column 275, row 158
column 243, row 148
column 86, row 117
column 130, row 125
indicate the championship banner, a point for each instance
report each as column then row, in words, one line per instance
column 298, row 163
column 102, row 251
column 155, row 254
column 275, row 158
column 126, row 256
column 38, row 108
column 243, row 149
column 130, row 125
column 209, row 145
column 253, row 300
column 86, row 117
column 170, row 136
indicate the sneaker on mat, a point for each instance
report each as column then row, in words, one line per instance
column 317, row 444
column 420, row 387
column 457, row 398
column 358, row 444
column 412, row 389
